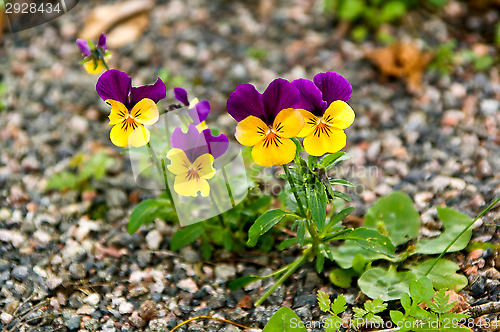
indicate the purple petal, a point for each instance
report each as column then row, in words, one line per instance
column 311, row 98
column 114, row 84
column 155, row 92
column 199, row 112
column 280, row 94
column 334, row 86
column 217, row 145
column 245, row 101
column 84, row 47
column 181, row 95
column 188, row 142
column 102, row 41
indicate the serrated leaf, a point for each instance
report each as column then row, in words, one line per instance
column 263, row 224
column 440, row 304
column 453, row 223
column 323, row 301
column 337, row 218
column 186, row 235
column 333, row 323
column 284, row 320
column 375, row 306
column 339, row 305
column 398, row 215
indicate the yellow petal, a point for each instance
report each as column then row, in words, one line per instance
column 121, row 131
column 203, row 166
column 187, row 185
column 339, row 114
column 324, row 139
column 251, row 130
column 202, row 126
column 145, row 112
column 310, row 122
column 274, row 150
column 91, row 68
column 139, row 136
column 193, row 103
column 118, row 112
column 179, row 162
column 288, row 123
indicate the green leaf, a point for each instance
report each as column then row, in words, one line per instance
column 301, row 231
column 143, row 213
column 341, row 195
column 421, row 290
column 339, row 305
column 440, row 304
column 397, row 317
column 453, row 223
column 345, row 254
column 375, row 306
column 337, row 218
column 323, row 301
column 186, row 235
column 263, row 224
column 288, row 243
column 372, row 240
column 397, row 215
column 242, row 282
column 391, row 11
column 332, row 322
column 320, row 263
column 443, row 275
column 284, row 320
column 333, row 159
column 342, row 278
column 385, row 284
column 341, row 182
column 351, row 10
column 317, row 204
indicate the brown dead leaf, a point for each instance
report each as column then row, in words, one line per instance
column 461, row 304
column 123, row 22
column 401, row 59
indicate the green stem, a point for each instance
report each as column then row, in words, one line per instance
column 228, row 187
column 462, row 233
column 294, row 190
column 219, row 215
column 291, row 269
column 167, row 188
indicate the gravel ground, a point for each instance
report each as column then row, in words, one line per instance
column 63, row 269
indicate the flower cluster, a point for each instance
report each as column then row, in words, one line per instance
column 316, row 110
column 95, row 56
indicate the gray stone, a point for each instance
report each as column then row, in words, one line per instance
column 20, row 272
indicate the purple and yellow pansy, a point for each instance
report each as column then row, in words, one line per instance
column 197, row 110
column 192, row 156
column 131, row 107
column 267, row 121
column 95, row 57
column 325, row 111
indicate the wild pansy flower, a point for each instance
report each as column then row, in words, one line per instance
column 325, row 111
column 197, row 110
column 95, row 56
column 131, row 107
column 192, row 158
column 267, row 121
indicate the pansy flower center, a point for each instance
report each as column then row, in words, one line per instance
column 322, row 127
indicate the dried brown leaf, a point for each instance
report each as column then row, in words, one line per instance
column 129, row 19
column 401, row 59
